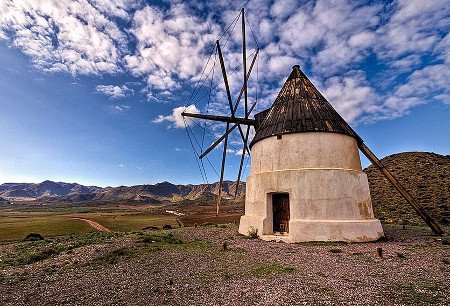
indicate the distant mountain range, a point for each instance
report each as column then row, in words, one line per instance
column 425, row 175
column 49, row 191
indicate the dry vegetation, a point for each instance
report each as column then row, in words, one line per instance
column 189, row 266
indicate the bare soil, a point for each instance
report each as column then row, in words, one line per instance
column 95, row 225
column 190, row 266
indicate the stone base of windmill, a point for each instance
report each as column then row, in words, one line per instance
column 310, row 205
column 318, row 230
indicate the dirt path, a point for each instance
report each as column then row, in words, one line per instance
column 95, row 225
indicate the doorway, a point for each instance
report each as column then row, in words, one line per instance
column 280, row 206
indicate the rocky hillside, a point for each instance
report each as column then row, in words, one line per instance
column 425, row 175
column 44, row 189
column 49, row 191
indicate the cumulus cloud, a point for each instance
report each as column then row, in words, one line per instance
column 170, row 45
column 351, row 96
column 64, row 36
column 114, row 91
column 413, row 28
column 176, row 119
column 121, row 108
column 166, row 47
column 432, row 82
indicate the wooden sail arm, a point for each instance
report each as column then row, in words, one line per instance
column 219, row 140
column 391, row 178
column 222, row 118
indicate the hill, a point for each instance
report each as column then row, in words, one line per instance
column 49, row 191
column 425, row 175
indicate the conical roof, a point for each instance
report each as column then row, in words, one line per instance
column 299, row 107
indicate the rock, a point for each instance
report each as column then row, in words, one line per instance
column 33, row 237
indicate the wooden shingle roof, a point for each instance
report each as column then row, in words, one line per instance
column 299, row 107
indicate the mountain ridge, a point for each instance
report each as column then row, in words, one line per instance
column 425, row 175
column 49, row 191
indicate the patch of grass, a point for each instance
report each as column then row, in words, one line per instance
column 227, row 275
column 162, row 238
column 273, row 268
column 433, row 285
column 113, row 257
column 131, row 221
column 16, row 226
column 410, row 293
column 26, row 253
column 209, row 224
column 196, row 245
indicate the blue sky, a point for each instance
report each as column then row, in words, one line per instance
column 91, row 91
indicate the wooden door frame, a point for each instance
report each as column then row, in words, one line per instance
column 272, row 194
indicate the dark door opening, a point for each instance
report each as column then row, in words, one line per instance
column 280, row 205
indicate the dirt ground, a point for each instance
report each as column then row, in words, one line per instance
column 191, row 266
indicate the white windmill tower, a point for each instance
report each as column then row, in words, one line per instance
column 306, row 181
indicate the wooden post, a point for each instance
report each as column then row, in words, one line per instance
column 379, row 252
column 222, row 170
column 244, row 62
column 391, row 178
column 224, row 246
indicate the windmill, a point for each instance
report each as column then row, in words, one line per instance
column 306, row 182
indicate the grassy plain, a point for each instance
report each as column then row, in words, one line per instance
column 16, row 223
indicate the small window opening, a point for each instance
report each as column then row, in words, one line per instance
column 279, row 136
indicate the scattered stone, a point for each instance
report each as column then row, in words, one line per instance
column 400, row 255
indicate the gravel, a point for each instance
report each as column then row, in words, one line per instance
column 414, row 270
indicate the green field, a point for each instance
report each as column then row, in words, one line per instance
column 15, row 225
column 130, row 221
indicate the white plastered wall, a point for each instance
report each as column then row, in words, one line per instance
column 328, row 192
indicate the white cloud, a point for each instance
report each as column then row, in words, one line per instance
column 283, row 8
column 413, row 28
column 121, row 108
column 430, row 83
column 281, row 65
column 351, row 96
column 64, row 36
column 116, row 8
column 167, row 46
column 162, row 37
column 176, row 119
column 114, row 91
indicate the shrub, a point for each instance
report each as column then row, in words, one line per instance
column 34, row 237
column 253, row 233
